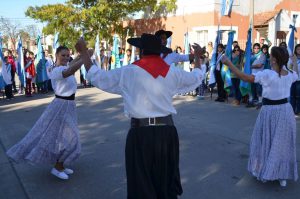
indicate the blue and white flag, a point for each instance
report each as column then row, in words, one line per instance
column 1, row 53
column 245, row 87
column 97, row 51
column 213, row 62
column 132, row 58
column 225, row 72
column 83, row 71
column 291, row 43
column 186, row 65
column 226, row 7
column 55, row 41
column 2, row 83
column 20, row 67
column 115, row 57
column 169, row 42
column 40, row 63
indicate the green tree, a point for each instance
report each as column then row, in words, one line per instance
column 94, row 17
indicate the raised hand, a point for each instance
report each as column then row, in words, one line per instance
column 198, row 51
column 80, row 46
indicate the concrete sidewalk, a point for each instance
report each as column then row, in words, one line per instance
column 214, row 147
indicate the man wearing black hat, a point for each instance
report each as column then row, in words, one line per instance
column 147, row 87
column 167, row 54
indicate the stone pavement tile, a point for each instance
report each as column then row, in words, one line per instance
column 10, row 187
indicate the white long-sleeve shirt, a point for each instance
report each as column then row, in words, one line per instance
column 62, row 86
column 145, row 96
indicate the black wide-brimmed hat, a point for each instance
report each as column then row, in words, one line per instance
column 147, row 42
column 161, row 32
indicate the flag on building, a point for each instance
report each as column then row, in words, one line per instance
column 20, row 67
column 226, row 7
column 225, row 72
column 40, row 63
column 245, row 87
column 213, row 62
column 186, row 65
column 115, row 58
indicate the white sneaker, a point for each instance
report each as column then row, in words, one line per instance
column 68, row 171
column 282, row 183
column 60, row 174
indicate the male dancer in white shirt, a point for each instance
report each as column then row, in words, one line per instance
column 148, row 86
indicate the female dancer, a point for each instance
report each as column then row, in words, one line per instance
column 273, row 142
column 54, row 139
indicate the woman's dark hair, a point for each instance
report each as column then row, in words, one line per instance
column 266, row 47
column 281, row 55
column 241, row 55
column 256, row 44
column 220, row 46
column 178, row 47
column 283, row 44
column 295, row 51
column 61, row 48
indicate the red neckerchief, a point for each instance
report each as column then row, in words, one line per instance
column 154, row 65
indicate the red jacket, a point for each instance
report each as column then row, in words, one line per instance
column 11, row 61
column 30, row 69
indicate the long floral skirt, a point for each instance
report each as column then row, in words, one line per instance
column 273, row 144
column 54, row 137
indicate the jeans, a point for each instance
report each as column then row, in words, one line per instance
column 236, row 88
column 295, row 97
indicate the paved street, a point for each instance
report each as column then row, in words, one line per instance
column 214, row 145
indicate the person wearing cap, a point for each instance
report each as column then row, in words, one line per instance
column 167, row 54
column 147, row 87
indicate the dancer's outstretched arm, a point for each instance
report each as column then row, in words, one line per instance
column 235, row 70
column 82, row 49
column 75, row 64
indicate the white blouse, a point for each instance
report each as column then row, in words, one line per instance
column 143, row 95
column 275, row 87
column 62, row 86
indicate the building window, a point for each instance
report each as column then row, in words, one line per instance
column 202, row 37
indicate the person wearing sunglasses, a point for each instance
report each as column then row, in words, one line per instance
column 257, row 64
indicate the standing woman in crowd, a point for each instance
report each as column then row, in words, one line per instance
column 237, row 60
column 257, row 64
column 30, row 72
column 265, row 50
column 273, row 142
column 295, row 90
column 220, row 83
column 6, row 75
column 11, row 61
column 54, row 139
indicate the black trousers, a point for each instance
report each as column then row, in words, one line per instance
column 13, row 74
column 8, row 91
column 152, row 163
column 220, row 85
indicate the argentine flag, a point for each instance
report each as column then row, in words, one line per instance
column 226, row 7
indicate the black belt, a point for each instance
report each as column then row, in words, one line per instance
column 152, row 121
column 71, row 97
column 266, row 101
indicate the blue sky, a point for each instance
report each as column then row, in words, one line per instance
column 15, row 9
